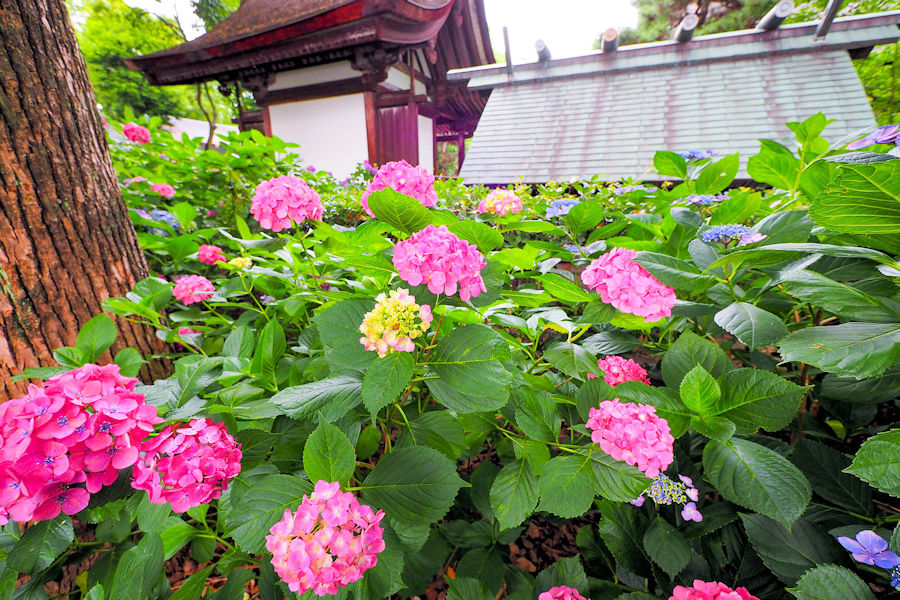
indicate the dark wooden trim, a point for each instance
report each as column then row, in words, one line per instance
column 267, row 121
column 326, row 89
column 371, row 127
column 427, row 109
column 388, row 99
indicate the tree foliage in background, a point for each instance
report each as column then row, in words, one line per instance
column 213, row 12
column 658, row 18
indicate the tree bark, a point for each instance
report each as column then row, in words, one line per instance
column 66, row 242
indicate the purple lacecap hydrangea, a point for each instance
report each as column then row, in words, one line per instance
column 705, row 199
column 871, row 549
column 726, row 234
column 887, row 134
column 624, row 189
column 562, row 207
column 697, row 154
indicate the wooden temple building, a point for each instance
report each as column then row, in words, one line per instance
column 345, row 79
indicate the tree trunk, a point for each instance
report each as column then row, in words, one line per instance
column 66, row 242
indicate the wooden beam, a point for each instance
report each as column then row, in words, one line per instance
column 386, row 99
column 326, row 89
column 371, row 132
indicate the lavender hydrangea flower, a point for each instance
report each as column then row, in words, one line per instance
column 705, row 199
column 726, row 234
column 871, row 549
column 562, row 207
column 624, row 189
column 886, row 134
column 697, row 154
column 895, row 578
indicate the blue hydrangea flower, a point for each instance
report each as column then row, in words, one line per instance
column 726, row 234
column 624, row 189
column 697, row 154
column 871, row 549
column 895, row 578
column 163, row 216
column 666, row 491
column 885, row 134
column 562, row 207
column 705, row 199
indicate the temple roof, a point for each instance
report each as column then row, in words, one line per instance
column 612, row 111
column 265, row 36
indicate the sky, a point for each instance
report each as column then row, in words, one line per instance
column 568, row 27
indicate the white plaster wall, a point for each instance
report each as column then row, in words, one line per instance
column 400, row 80
column 426, row 143
column 318, row 74
column 331, row 131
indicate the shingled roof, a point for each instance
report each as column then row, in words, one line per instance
column 609, row 113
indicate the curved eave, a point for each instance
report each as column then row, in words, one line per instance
column 333, row 32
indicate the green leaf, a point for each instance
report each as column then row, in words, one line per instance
column 398, row 210
column 690, row 350
column 438, row 429
column 385, row 379
column 484, row 236
column 755, row 477
column 861, row 199
column 790, row 553
column 780, row 253
column 96, row 593
column 466, row 588
column 670, row 163
column 717, row 176
column 338, row 327
column 878, row 462
column 514, row 494
column 715, row 428
column 622, row 530
column 776, row 166
column 571, row 359
column 239, row 343
column 330, row 398
column 699, row 390
column 563, row 289
column 584, row 216
column 269, row 348
column 535, row 227
column 536, row 414
column 674, row 272
column 824, row 467
column 597, row 312
column 615, row 479
column 667, row 547
column 96, row 336
column 328, row 455
column 413, row 485
column 261, row 506
column 485, row 565
column 567, row 486
column 566, row 571
column 754, row 398
column 175, row 533
column 831, row 582
column 384, row 579
column 41, row 544
column 139, row 569
column 862, row 391
column 234, row 588
column 858, row 350
column 129, row 361
column 839, row 298
column 751, row 325
column 469, row 370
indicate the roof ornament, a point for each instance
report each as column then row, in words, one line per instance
column 609, row 41
column 775, row 17
column 685, row 30
column 374, row 63
column 543, row 51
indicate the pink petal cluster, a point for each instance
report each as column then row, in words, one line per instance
column 633, row 433
column 193, row 288
column 283, row 201
column 628, row 286
column 187, row 464
column 619, row 370
column 404, row 178
column 705, row 590
column 329, row 542
column 561, row 592
column 439, row 259
column 500, row 202
column 210, row 254
column 163, row 189
column 78, row 430
column 136, row 133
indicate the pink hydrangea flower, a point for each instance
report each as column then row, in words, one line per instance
column 163, row 189
column 619, row 370
column 193, row 288
column 136, row 133
column 210, row 254
column 633, row 433
column 442, row 261
column 63, row 442
column 283, row 201
column 710, row 590
column 561, row 592
column 212, row 214
column 187, row 464
column 500, row 202
column 404, row 178
column 135, row 179
column 329, row 542
column 628, row 287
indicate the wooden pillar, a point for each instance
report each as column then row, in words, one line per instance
column 461, row 151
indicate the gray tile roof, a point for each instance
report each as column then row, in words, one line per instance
column 609, row 114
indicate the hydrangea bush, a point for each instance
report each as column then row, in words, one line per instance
column 670, row 391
